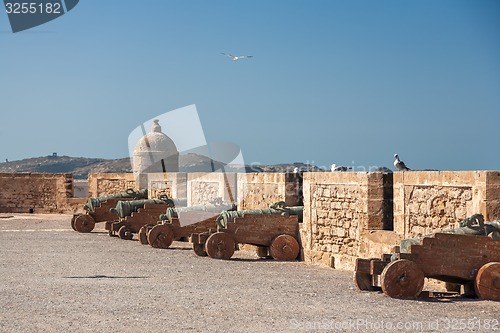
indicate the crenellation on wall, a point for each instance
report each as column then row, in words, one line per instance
column 110, row 183
column 260, row 190
column 429, row 201
column 172, row 184
column 338, row 207
column 204, row 187
column 35, row 192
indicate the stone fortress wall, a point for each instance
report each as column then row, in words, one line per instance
column 338, row 207
column 37, row 193
column 346, row 214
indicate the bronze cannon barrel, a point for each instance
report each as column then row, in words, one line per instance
column 126, row 208
column 130, row 193
column 229, row 216
column 211, row 208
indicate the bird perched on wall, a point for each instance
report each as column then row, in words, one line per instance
column 334, row 168
column 236, row 57
column 400, row 165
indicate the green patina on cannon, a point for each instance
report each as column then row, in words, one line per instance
column 274, row 232
column 466, row 258
column 133, row 215
column 130, row 193
column 173, row 212
column 180, row 223
column 97, row 209
column 473, row 225
column 126, row 208
column 278, row 208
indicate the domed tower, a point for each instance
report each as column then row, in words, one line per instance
column 154, row 152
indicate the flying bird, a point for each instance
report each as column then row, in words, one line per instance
column 236, row 57
column 400, row 165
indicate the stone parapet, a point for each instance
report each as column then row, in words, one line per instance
column 429, row 201
column 35, row 192
column 110, row 183
column 261, row 190
column 204, row 187
column 173, row 184
column 338, row 207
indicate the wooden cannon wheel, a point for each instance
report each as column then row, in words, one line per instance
column 199, row 249
column 73, row 221
column 84, row 223
column 161, row 236
column 402, row 279
column 363, row 281
column 284, row 247
column 143, row 234
column 124, row 233
column 487, row 282
column 220, row 245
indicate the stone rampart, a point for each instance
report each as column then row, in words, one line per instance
column 428, row 201
column 203, row 188
column 261, row 190
column 346, row 214
column 35, row 192
column 173, row 184
column 338, row 207
column 110, row 183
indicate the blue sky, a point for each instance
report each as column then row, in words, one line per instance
column 346, row 82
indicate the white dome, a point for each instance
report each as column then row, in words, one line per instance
column 155, row 152
column 155, row 141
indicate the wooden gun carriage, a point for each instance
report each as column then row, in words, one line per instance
column 180, row 223
column 98, row 209
column 469, row 260
column 276, row 234
column 163, row 234
column 132, row 219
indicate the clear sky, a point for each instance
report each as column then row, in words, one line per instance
column 345, row 82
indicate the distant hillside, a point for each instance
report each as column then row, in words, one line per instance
column 80, row 167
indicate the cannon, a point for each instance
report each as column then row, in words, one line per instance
column 468, row 256
column 274, row 231
column 97, row 209
column 132, row 215
column 180, row 223
column 126, row 208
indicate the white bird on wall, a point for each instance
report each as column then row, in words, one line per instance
column 334, row 168
column 236, row 57
column 400, row 165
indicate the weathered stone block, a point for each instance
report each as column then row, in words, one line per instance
column 203, row 188
column 173, row 184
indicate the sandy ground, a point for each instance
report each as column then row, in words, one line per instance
column 53, row 279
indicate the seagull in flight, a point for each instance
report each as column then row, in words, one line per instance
column 236, row 57
column 400, row 165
